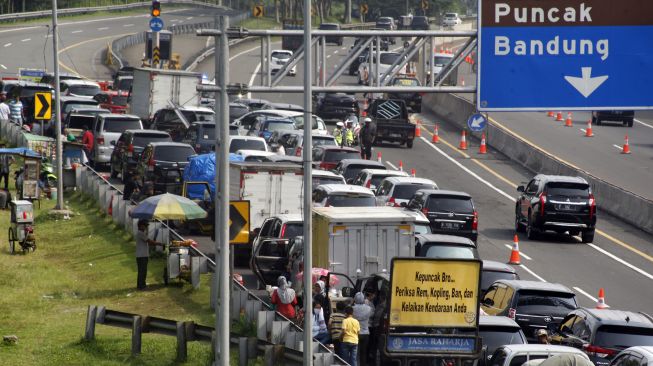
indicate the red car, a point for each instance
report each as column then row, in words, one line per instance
column 326, row 157
column 113, row 100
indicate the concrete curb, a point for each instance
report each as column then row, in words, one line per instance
column 628, row 206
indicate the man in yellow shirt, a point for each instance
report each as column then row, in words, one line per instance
column 350, row 330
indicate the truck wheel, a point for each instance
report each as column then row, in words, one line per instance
column 587, row 236
column 409, row 144
column 531, row 233
column 630, row 123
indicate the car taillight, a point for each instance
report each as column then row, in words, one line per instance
column 298, row 151
column 391, row 202
column 592, row 203
column 475, row 222
column 130, row 151
column 511, row 313
column 597, row 351
column 100, row 140
column 283, row 230
column 542, row 202
column 150, row 164
column 425, row 211
column 368, row 184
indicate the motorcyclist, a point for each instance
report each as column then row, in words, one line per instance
column 338, row 132
column 367, row 137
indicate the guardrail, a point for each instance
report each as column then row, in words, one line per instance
column 92, row 9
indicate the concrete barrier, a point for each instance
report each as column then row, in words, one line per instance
column 628, row 206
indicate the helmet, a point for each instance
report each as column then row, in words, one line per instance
column 340, row 124
column 367, row 119
column 542, row 332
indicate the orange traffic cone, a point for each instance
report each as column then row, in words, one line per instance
column 412, row 173
column 401, row 165
column 626, row 148
column 436, row 135
column 588, row 131
column 514, row 253
column 483, row 148
column 559, row 117
column 568, row 120
column 378, row 157
column 550, row 114
column 601, row 303
column 418, row 129
column 463, row 141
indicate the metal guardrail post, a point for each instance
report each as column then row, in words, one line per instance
column 242, row 351
column 89, row 333
column 182, row 346
column 137, row 334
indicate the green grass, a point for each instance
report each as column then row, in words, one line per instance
column 78, row 262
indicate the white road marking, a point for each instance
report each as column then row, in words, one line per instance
column 532, row 273
column 618, row 147
column 601, row 250
column 520, row 252
column 336, row 52
column 391, row 165
column 77, row 31
column 48, row 35
column 26, row 40
column 642, row 123
column 580, row 290
column 103, row 28
column 7, row 44
column 328, row 56
column 128, row 25
column 3, row 66
column 189, row 18
column 582, row 129
column 251, row 80
column 174, row 20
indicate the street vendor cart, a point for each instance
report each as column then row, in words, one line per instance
column 21, row 231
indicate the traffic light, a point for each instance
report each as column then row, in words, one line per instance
column 156, row 8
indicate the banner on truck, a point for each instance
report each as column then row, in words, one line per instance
column 434, row 293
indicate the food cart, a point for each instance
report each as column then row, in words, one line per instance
column 21, row 231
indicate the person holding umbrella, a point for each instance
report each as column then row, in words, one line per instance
column 143, row 244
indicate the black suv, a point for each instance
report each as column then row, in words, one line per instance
column 336, row 105
column 533, row 305
column 332, row 39
column 602, row 333
column 445, row 246
column 625, row 117
column 163, row 163
column 128, row 149
column 420, row 23
column 557, row 203
column 201, row 136
column 449, row 212
column 413, row 100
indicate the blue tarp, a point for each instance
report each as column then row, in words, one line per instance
column 21, row 151
column 202, row 169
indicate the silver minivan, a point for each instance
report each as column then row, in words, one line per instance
column 107, row 128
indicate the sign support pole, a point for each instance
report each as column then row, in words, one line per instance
column 57, row 112
column 222, row 250
column 308, row 186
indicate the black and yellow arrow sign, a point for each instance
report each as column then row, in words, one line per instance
column 257, row 11
column 156, row 55
column 425, row 4
column 43, row 106
column 238, row 222
column 364, row 8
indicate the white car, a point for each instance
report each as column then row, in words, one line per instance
column 393, row 191
column 247, row 143
column 451, row 19
column 520, row 354
column 326, row 177
column 440, row 60
column 278, row 58
column 367, row 72
column 80, row 88
column 342, row 195
column 371, row 178
column 246, row 121
column 254, row 155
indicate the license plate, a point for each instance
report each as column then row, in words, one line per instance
column 565, row 207
column 395, row 135
column 449, row 226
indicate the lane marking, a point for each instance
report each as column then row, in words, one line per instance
column 251, row 80
column 618, row 147
column 26, row 40
column 578, row 289
column 3, row 66
column 127, row 25
column 391, row 165
column 189, row 18
column 328, row 56
column 48, row 35
column 8, row 44
column 85, row 42
column 174, row 20
column 77, row 31
column 532, row 273
column 520, row 252
column 644, row 273
column 627, row 246
column 643, row 123
column 103, row 28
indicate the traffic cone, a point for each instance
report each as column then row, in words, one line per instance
column 514, row 253
column 463, row 141
column 559, row 117
column 588, row 131
column 483, row 148
column 378, row 157
column 550, row 114
column 418, row 129
column 601, row 303
column 626, row 148
column 568, row 120
column 412, row 173
column 401, row 166
column 436, row 135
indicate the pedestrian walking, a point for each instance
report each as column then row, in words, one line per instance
column 16, row 110
column 87, row 141
column 350, row 330
column 143, row 244
column 4, row 107
column 285, row 299
column 320, row 331
column 367, row 137
column 5, row 166
column 335, row 326
column 362, row 313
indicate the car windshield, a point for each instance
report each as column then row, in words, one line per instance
column 69, row 106
column 488, row 278
column 453, row 15
column 317, row 125
column 406, row 191
column 449, row 251
column 350, row 201
column 337, row 155
column 405, row 82
column 279, row 125
column 323, row 140
column 124, row 84
column 521, row 359
column 241, row 144
column 121, row 124
column 85, row 90
column 456, row 204
column 141, row 140
column 198, row 116
column 389, row 58
column 28, row 91
column 441, row 61
column 237, row 111
column 377, row 178
column 495, row 337
column 422, row 229
column 569, row 190
column 280, row 55
column 80, row 121
column 545, row 303
column 173, row 153
column 613, row 336
column 353, row 170
column 292, row 230
column 326, row 180
column 208, row 132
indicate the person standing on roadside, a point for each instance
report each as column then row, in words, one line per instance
column 335, row 326
column 16, row 110
column 349, row 341
column 5, row 166
column 338, row 134
column 284, row 298
column 5, row 111
column 143, row 244
column 367, row 137
column 362, row 313
column 87, row 141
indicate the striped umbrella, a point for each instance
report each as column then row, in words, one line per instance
column 168, row 207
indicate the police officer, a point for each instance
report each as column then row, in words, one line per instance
column 367, row 137
column 349, row 133
column 337, row 133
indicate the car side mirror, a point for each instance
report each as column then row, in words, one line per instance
column 520, row 189
column 347, row 292
column 113, row 143
column 350, row 181
column 488, row 302
column 256, row 231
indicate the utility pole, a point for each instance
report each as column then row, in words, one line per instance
column 57, row 112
